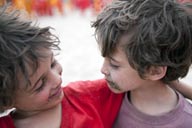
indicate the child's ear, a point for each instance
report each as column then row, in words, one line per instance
column 156, row 72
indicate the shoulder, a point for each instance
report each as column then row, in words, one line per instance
column 186, row 105
column 91, row 89
column 87, row 87
column 93, row 92
column 89, row 104
column 184, row 113
column 6, row 122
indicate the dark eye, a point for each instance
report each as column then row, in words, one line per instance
column 53, row 63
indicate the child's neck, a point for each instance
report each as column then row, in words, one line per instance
column 155, row 100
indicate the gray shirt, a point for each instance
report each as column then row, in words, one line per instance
column 130, row 117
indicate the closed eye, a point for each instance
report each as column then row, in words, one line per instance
column 41, row 86
column 53, row 63
column 114, row 66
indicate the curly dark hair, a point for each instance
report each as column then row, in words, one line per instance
column 21, row 42
column 159, row 31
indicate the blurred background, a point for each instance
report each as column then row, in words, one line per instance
column 71, row 20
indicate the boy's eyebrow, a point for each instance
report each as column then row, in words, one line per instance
column 112, row 59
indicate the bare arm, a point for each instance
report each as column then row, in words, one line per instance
column 183, row 88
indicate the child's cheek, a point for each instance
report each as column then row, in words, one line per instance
column 43, row 96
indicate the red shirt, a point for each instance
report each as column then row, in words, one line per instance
column 86, row 104
column 6, row 122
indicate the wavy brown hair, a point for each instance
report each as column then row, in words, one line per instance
column 21, row 42
column 159, row 31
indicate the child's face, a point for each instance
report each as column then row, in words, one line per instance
column 45, row 91
column 120, row 75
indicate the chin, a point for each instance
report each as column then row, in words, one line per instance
column 114, row 90
column 57, row 100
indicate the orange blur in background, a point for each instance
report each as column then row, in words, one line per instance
column 52, row 7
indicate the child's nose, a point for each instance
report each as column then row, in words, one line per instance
column 104, row 69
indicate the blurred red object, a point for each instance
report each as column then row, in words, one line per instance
column 57, row 4
column 184, row 1
column 82, row 4
column 42, row 7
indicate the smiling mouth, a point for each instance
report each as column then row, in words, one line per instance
column 57, row 93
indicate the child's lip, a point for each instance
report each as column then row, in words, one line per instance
column 57, row 92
